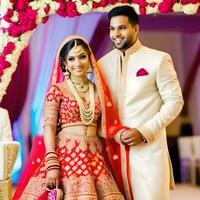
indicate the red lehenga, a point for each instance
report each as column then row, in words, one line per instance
column 84, row 170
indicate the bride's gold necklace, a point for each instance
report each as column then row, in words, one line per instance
column 87, row 115
column 81, row 86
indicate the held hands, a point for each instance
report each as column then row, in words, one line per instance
column 132, row 137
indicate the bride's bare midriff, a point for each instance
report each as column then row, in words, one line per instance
column 81, row 130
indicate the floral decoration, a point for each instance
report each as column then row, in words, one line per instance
column 19, row 18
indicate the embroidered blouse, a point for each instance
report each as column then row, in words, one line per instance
column 62, row 108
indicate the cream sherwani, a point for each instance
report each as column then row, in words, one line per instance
column 5, row 127
column 146, row 91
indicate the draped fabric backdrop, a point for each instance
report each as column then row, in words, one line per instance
column 26, row 93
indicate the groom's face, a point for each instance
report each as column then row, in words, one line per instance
column 122, row 33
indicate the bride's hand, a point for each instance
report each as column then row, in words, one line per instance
column 52, row 179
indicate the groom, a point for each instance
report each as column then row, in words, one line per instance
column 146, row 91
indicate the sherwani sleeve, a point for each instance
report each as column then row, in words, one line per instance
column 171, row 96
column 6, row 127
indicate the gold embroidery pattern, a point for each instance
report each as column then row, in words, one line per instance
column 10, row 154
column 84, row 188
column 6, row 189
column 83, row 175
column 34, row 189
column 50, row 113
column 69, row 142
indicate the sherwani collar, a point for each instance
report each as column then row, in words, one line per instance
column 135, row 47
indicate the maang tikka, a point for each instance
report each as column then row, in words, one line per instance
column 76, row 47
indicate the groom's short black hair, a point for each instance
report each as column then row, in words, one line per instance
column 127, row 11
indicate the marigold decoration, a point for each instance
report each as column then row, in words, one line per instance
column 19, row 19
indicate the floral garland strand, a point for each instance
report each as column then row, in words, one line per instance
column 19, row 19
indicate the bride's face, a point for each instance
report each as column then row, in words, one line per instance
column 77, row 62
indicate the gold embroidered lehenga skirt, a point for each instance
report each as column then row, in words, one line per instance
column 84, row 174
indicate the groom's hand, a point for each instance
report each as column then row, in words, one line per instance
column 131, row 137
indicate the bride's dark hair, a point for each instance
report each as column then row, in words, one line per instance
column 67, row 47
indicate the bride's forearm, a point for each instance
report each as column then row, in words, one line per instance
column 49, row 138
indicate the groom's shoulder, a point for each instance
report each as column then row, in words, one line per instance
column 107, row 57
column 3, row 111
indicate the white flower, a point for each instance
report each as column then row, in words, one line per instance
column 84, row 8
column 151, row 10
column 4, row 24
column 14, row 18
column 35, row 5
column 190, row 9
column 158, row 1
column 3, row 40
column 20, row 45
column 150, row 1
column 26, row 36
column 47, row 1
column 136, row 8
column 177, row 7
column 12, row 58
column 12, row 39
column 53, row 7
column 41, row 14
column 4, row 6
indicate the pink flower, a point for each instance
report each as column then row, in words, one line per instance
column 1, row 71
column 20, row 4
column 142, row 11
column 104, row 3
column 45, row 19
column 8, row 15
column 62, row 10
column 124, row 1
column 14, row 30
column 27, row 20
column 84, row 1
column 9, row 48
column 198, row 11
column 9, row 12
column 165, row 6
column 142, row 3
column 95, row 5
column 184, row 2
column 152, row 4
column 4, row 63
column 189, row 1
column 67, row 9
column 71, row 9
column 46, row 9
column 112, row 2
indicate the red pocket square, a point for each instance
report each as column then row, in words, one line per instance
column 142, row 72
